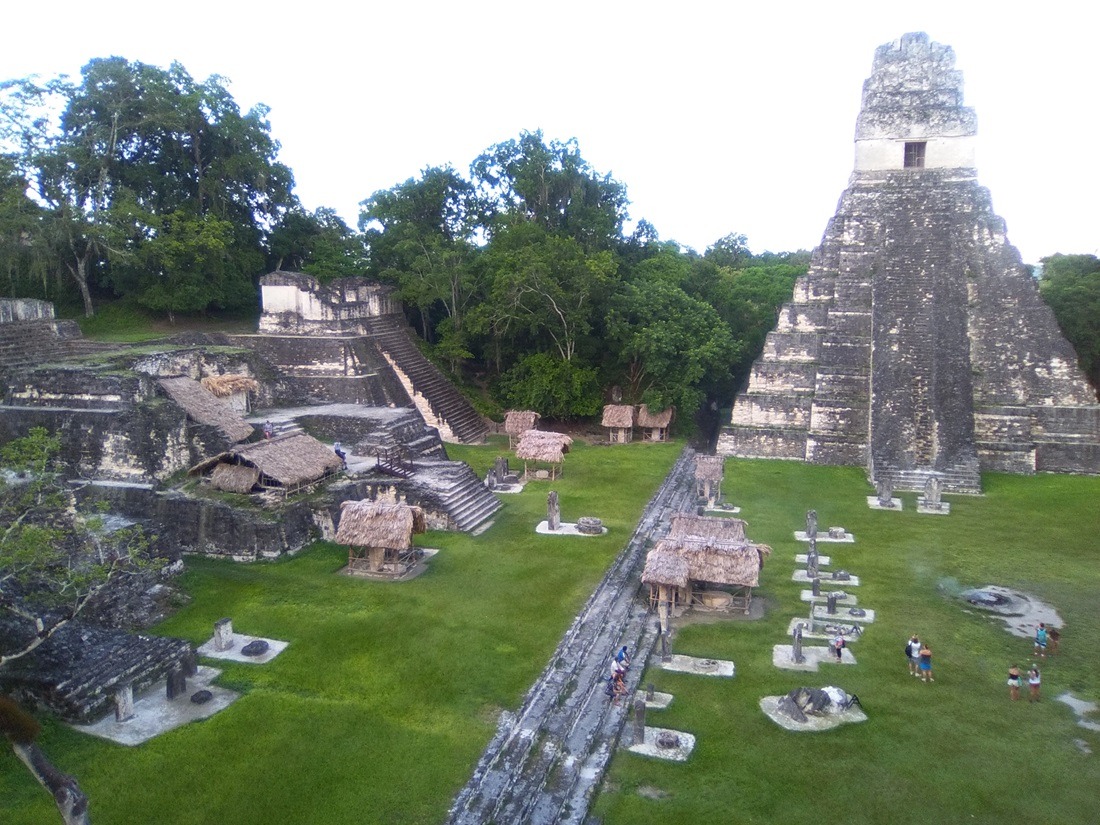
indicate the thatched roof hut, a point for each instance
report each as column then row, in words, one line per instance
column 619, row 420
column 517, row 422
column 379, row 524
column 547, row 447
column 707, row 527
column 204, row 407
column 657, row 423
column 709, row 467
column 223, row 386
column 290, row 462
column 379, row 537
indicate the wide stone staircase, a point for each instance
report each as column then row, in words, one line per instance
column 445, row 402
column 42, row 341
column 458, row 490
column 546, row 760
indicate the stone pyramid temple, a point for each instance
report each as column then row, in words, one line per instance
column 917, row 343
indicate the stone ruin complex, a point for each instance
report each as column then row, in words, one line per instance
column 917, row 344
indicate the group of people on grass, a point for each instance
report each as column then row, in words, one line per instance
column 919, row 656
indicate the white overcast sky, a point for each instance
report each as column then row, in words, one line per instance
column 718, row 116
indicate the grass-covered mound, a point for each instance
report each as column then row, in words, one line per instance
column 953, row 751
column 388, row 692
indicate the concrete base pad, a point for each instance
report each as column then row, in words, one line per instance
column 677, row 754
column 783, row 657
column 827, row 583
column 414, row 571
column 565, row 529
column 824, row 538
column 821, row 635
column 732, row 511
column 274, row 648
column 924, row 509
column 825, row 721
column 822, row 561
column 154, row 714
column 848, row 601
column 896, row 505
column 703, row 667
column 660, row 701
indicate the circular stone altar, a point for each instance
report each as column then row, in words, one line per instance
column 715, row 599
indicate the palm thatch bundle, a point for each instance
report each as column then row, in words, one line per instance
column 709, row 467
column 223, row 386
column 378, row 524
column 665, row 567
column 707, row 527
column 618, row 416
column 517, row 422
column 654, row 420
column 204, row 407
column 290, row 461
column 234, row 478
column 538, row 445
column 717, row 562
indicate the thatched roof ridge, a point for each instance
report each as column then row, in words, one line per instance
column 717, row 562
column 235, row 478
column 289, row 460
column 620, row 416
column 665, row 567
column 206, row 408
column 709, row 467
column 517, row 422
column 540, row 445
column 650, row 420
column 379, row 524
column 707, row 527
column 224, row 386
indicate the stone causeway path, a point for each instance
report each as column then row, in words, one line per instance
column 545, row 761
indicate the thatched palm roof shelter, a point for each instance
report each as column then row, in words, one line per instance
column 379, row 536
column 546, row 447
column 709, row 470
column 517, row 422
column 707, row 527
column 685, row 569
column 206, row 408
column 655, row 423
column 235, row 478
column 233, row 388
column 619, row 420
column 288, row 463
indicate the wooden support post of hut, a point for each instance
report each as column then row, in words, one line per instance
column 619, row 420
column 517, row 422
column 709, row 470
column 545, row 448
column 655, row 425
column 379, row 537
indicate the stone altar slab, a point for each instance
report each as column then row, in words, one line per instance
column 842, row 615
column 649, row 746
column 660, row 701
column 827, row 583
column 783, row 657
column 566, row 528
column 896, row 504
column 824, row 538
column 803, row 558
column 943, row 510
column 848, row 601
column 233, row 654
column 820, row 635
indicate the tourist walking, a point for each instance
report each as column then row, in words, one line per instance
column 623, row 657
column 912, row 653
column 1041, row 640
column 1034, row 680
column 838, row 647
column 1014, row 682
column 925, row 664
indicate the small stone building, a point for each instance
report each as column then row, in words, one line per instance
column 286, row 465
column 619, row 420
column 379, row 537
column 517, row 422
column 543, row 448
column 656, row 425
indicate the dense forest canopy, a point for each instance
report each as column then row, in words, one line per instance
column 139, row 183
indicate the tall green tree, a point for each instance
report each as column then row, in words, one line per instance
column 1071, row 286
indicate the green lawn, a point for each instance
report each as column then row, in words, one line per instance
column 388, row 693
column 954, row 751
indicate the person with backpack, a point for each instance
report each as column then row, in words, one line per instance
column 912, row 653
column 1041, row 640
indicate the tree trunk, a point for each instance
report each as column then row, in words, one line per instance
column 71, row 801
column 79, row 270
